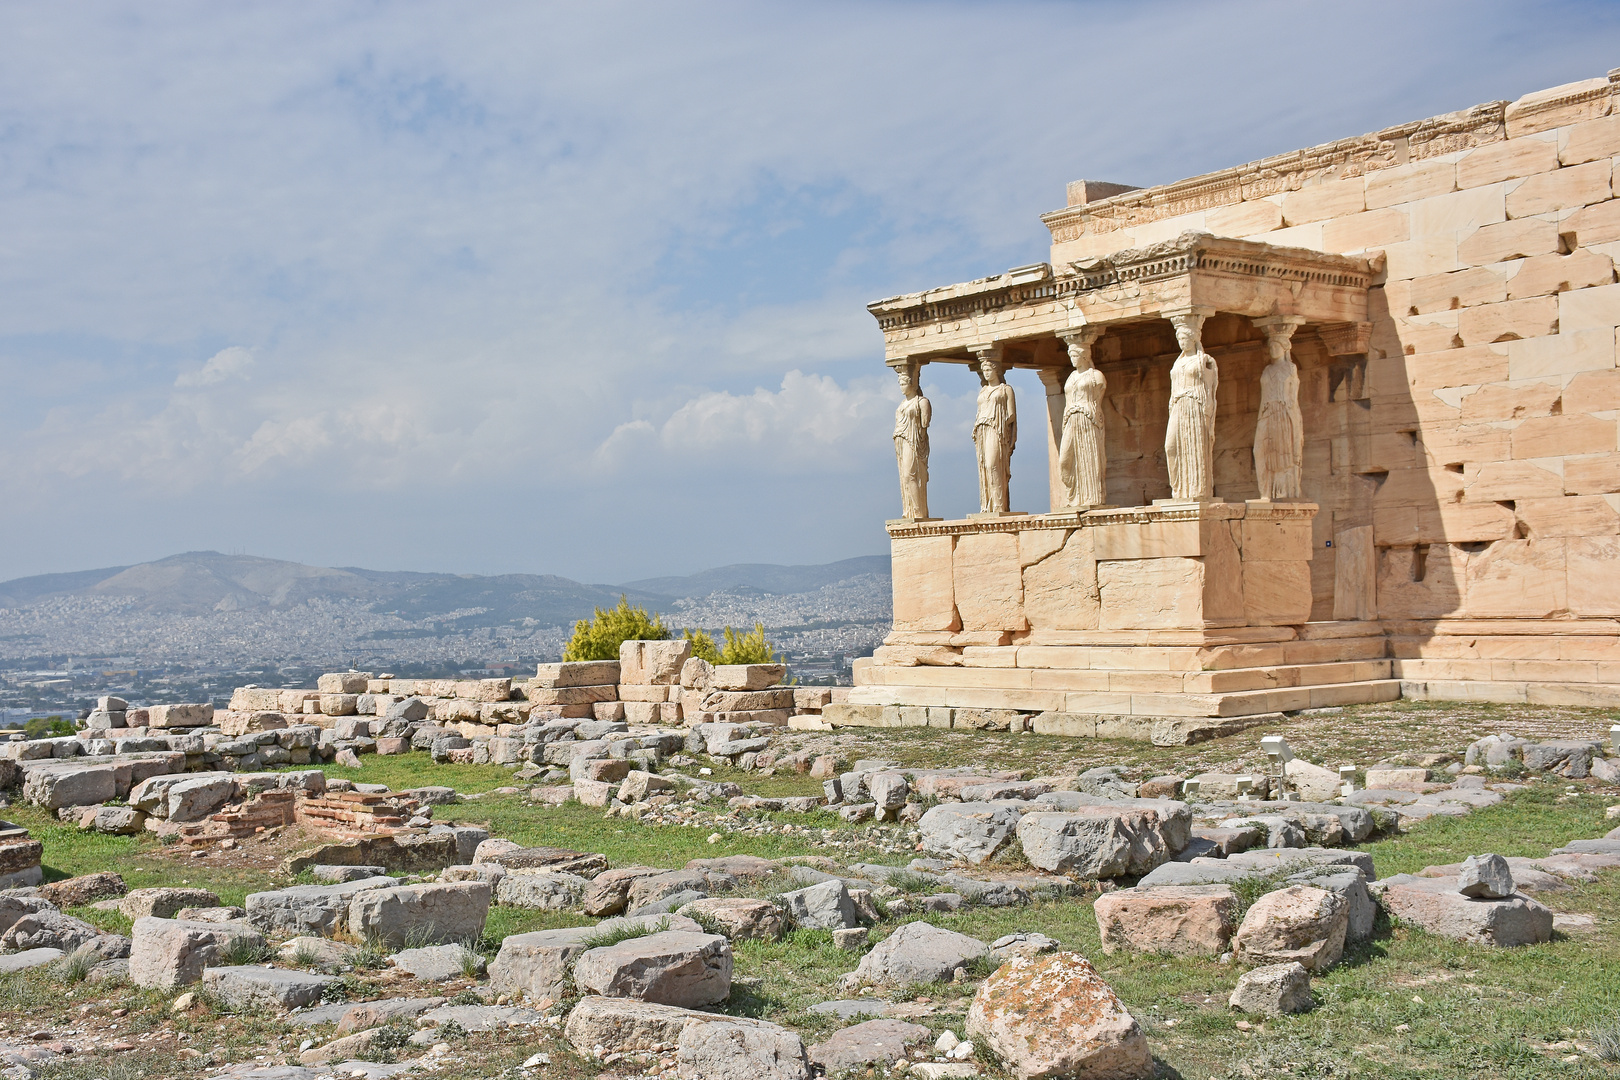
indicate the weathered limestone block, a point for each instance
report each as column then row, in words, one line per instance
column 924, row 593
column 314, row 910
column 738, row 678
column 252, row 987
column 823, row 906
column 1187, row 920
column 571, row 695
column 987, row 582
column 1061, row 590
column 1436, row 905
column 1151, row 593
column 1300, row 923
column 541, row 889
column 917, row 952
column 1273, row 990
column 343, row 682
column 1105, row 841
column 1054, row 1016
column 674, row 967
column 163, row 903
column 655, row 662
column 176, row 716
column 971, row 832
column 168, row 953
column 577, row 673
column 739, row 917
column 340, row 704
column 433, row 913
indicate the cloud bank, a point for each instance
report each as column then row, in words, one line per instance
column 578, row 290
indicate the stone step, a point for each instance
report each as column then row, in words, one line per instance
column 1244, row 703
column 1095, row 680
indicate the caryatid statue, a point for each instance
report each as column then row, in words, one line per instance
column 1082, row 456
column 1189, row 441
column 995, row 432
column 1279, row 433
column 911, row 444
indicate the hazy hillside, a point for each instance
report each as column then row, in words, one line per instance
column 209, row 608
column 764, row 577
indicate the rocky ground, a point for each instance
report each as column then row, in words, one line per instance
column 943, row 903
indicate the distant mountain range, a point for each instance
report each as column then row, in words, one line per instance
column 200, row 582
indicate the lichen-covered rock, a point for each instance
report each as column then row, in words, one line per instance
column 1300, row 923
column 917, row 952
column 971, row 832
column 1056, row 1017
column 1182, row 920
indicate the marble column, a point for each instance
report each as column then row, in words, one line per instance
column 1082, row 450
column 911, row 420
column 1189, row 438
column 995, row 430
column 1279, row 431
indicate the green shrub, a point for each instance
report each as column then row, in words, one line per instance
column 749, row 648
column 703, row 646
column 599, row 638
column 48, row 727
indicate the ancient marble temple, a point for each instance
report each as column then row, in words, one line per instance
column 1337, row 426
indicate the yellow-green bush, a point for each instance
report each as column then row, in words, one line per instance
column 599, row 638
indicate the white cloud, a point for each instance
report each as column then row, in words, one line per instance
column 231, row 363
column 524, row 258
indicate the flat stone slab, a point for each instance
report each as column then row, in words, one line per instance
column 439, row 963
column 337, row 875
column 249, row 986
column 917, row 952
column 875, row 1042
column 1435, row 905
column 314, row 910
column 673, row 967
column 850, row 1008
column 480, row 1017
column 1604, row 846
column 31, row 958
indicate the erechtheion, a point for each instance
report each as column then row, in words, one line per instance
column 1336, row 426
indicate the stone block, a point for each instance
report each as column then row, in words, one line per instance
column 737, row 678
column 972, row 832
column 1273, row 990
column 924, row 594
column 1435, row 905
column 542, row 890
column 824, row 906
column 917, row 952
column 577, row 673
column 169, row 953
column 1562, row 189
column 1157, row 593
column 431, row 913
column 314, row 910
column 343, row 682
column 571, row 695
column 1108, row 840
column 654, row 662
column 673, row 967
column 1300, row 923
column 1188, row 920
column 1080, row 1028
column 1507, row 160
column 178, row 716
column 251, row 988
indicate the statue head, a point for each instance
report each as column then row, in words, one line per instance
column 1080, row 350
column 989, row 371
column 908, row 380
column 1188, row 328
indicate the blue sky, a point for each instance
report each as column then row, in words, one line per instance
column 580, row 289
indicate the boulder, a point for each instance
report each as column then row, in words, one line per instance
column 31, row 958
column 875, row 1042
column 542, row 889
column 971, row 832
column 739, row 918
column 732, row 1048
column 48, row 930
column 434, row 913
column 1351, row 885
column 194, row 800
column 1313, row 783
column 536, row 964
column 85, row 889
column 318, row 910
column 673, row 967
column 889, row 790
column 169, row 953
column 256, row 987
column 1107, row 841
column 1485, row 877
column 1435, row 905
column 162, row 903
column 652, row 888
column 1055, row 1017
column 14, row 906
column 439, row 963
column 609, row 891
column 824, row 906
column 116, row 821
column 917, row 952
column 1273, row 990
column 1185, row 920
column 1300, row 923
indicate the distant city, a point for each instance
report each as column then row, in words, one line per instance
column 196, row 626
